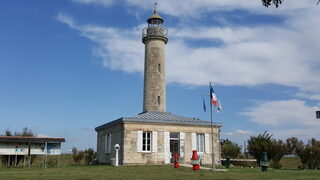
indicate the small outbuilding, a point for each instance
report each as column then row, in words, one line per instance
column 17, row 146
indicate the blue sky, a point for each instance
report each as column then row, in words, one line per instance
column 71, row 65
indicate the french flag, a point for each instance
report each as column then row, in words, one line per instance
column 213, row 97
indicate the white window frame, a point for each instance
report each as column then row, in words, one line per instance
column 144, row 141
column 107, row 143
column 200, row 142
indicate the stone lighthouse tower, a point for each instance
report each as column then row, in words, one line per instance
column 154, row 37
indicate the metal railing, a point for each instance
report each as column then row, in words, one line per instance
column 154, row 32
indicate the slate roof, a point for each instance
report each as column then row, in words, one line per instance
column 160, row 117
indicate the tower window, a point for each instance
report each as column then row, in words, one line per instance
column 159, row 100
column 159, row 68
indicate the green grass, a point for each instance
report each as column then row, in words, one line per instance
column 151, row 172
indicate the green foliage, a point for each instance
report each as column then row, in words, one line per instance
column 8, row 133
column 89, row 156
column 268, row 3
column 240, row 163
column 293, row 144
column 77, row 155
column 277, row 150
column 25, row 132
column 230, row 149
column 310, row 154
column 259, row 144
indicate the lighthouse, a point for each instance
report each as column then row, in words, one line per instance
column 155, row 136
column 155, row 38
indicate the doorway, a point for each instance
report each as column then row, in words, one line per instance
column 174, row 145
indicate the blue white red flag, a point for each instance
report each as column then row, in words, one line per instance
column 213, row 97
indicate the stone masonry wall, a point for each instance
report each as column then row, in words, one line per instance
column 131, row 156
column 115, row 132
column 154, row 76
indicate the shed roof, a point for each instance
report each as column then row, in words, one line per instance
column 160, row 117
column 30, row 139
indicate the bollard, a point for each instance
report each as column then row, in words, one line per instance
column 195, row 160
column 228, row 162
column 176, row 163
column 264, row 163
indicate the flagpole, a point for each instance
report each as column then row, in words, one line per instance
column 212, row 146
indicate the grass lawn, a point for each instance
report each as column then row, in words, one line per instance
column 151, row 172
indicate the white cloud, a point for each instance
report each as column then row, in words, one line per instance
column 285, row 113
column 308, row 96
column 247, row 55
column 42, row 135
column 95, row 2
column 120, row 50
column 195, row 8
column 238, row 132
column 284, row 54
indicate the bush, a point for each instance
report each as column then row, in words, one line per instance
column 277, row 150
column 77, row 155
column 259, row 144
column 89, row 155
column 241, row 163
column 230, row 149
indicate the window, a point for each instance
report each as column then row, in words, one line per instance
column 159, row 68
column 108, row 143
column 174, row 135
column 146, row 141
column 200, row 142
column 159, row 100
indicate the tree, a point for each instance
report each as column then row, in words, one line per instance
column 89, row 155
column 268, row 3
column 293, row 144
column 8, row 133
column 259, row 144
column 277, row 150
column 230, row 149
column 310, row 154
column 25, row 132
column 77, row 155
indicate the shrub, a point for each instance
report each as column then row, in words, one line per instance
column 277, row 150
column 259, row 144
column 77, row 155
column 230, row 149
column 89, row 155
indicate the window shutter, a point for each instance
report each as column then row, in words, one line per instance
column 139, row 141
column 106, row 143
column 194, row 141
column 182, row 137
column 207, row 144
column 166, row 147
column 154, row 141
column 109, row 143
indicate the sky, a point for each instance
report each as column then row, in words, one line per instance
column 69, row 66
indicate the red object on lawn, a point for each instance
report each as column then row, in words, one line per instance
column 195, row 160
column 176, row 163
